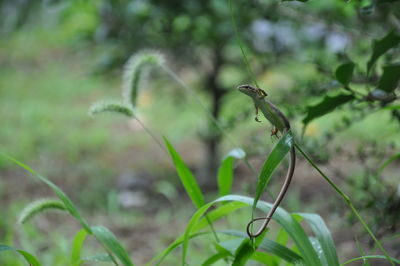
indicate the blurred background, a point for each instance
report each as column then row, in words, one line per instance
column 58, row 57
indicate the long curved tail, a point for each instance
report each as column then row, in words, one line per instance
column 278, row 200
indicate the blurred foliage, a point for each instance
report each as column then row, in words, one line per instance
column 304, row 54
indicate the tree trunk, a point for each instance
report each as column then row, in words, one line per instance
column 213, row 138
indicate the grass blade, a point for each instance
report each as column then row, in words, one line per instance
column 293, row 228
column 388, row 161
column 186, row 176
column 32, row 260
column 274, row 159
column 61, row 195
column 77, row 245
column 243, row 253
column 225, row 171
column 280, row 251
column 214, row 258
column 323, row 236
column 111, row 244
column 371, row 257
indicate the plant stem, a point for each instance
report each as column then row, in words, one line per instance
column 348, row 203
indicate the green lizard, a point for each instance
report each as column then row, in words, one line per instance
column 281, row 124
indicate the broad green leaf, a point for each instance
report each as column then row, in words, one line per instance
column 344, row 73
column 61, row 195
column 327, row 105
column 77, row 245
column 324, row 237
column 293, row 228
column 390, row 78
column 111, row 244
column 381, row 46
column 39, row 206
column 186, row 176
column 276, row 156
column 225, row 171
column 371, row 257
column 388, row 161
column 32, row 260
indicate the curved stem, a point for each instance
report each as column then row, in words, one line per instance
column 348, row 203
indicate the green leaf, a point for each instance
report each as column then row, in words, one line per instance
column 186, row 177
column 111, row 107
column 77, row 245
column 327, row 105
column 264, row 258
column 225, row 171
column 323, row 236
column 243, row 253
column 214, row 258
column 381, row 46
column 293, row 228
column 271, row 163
column 111, row 244
column 230, row 246
column 344, row 73
column 32, row 260
column 371, row 257
column 39, row 206
column 61, row 195
column 390, row 78
column 271, row 246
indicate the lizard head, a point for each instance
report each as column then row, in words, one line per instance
column 251, row 91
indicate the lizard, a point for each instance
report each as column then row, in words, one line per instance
column 280, row 124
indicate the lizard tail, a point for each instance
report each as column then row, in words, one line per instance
column 278, row 200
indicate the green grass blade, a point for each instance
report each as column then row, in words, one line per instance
column 274, row 159
column 31, row 259
column 243, row 253
column 77, row 245
column 293, row 228
column 225, row 171
column 280, row 251
column 388, row 161
column 111, row 244
column 213, row 215
column 264, row 258
column 371, row 257
column 61, row 195
column 214, row 258
column 37, row 207
column 324, row 237
column 186, row 176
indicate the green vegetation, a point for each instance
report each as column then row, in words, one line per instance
column 151, row 186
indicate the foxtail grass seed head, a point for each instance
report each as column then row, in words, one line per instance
column 133, row 72
column 111, row 107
